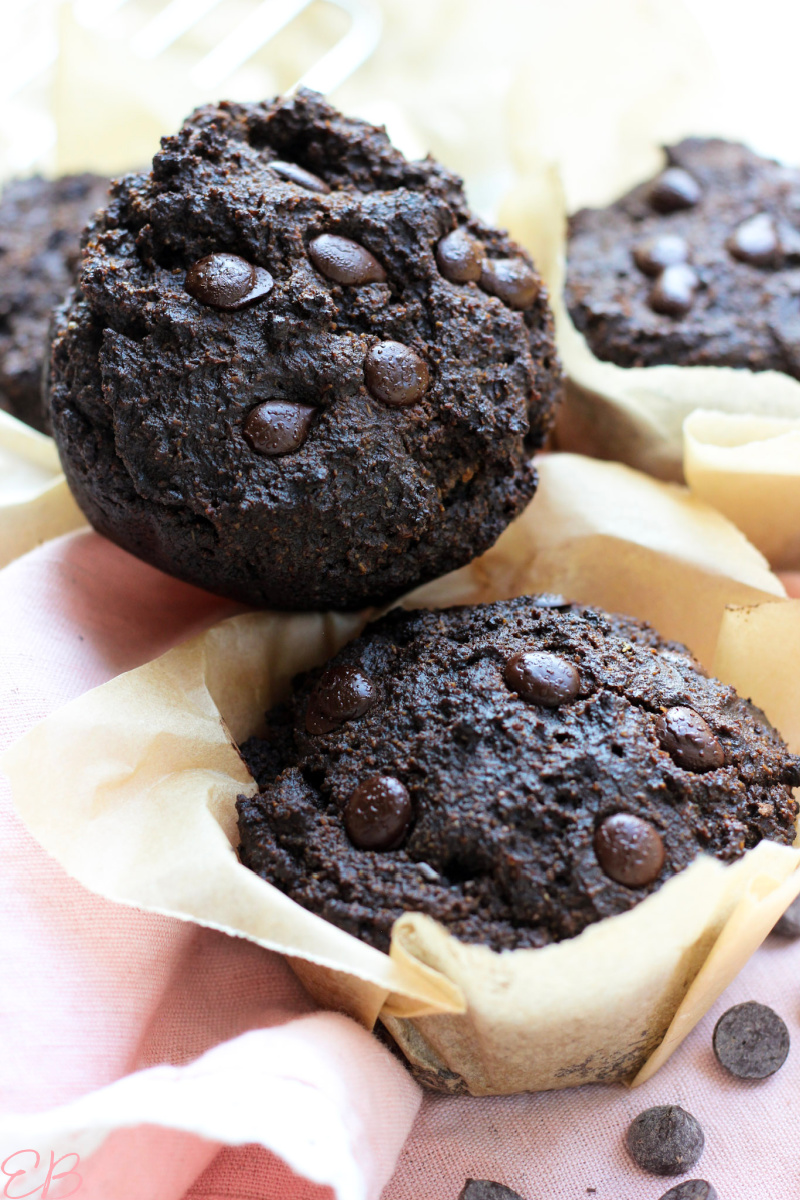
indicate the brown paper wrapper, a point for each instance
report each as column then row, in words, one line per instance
column 132, row 788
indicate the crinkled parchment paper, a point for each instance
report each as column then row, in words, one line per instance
column 132, row 788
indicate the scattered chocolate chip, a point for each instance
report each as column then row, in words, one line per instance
column 510, row 279
column 278, row 427
column 378, row 813
column 345, row 261
column 751, row 1041
column 395, row 373
column 665, row 1140
column 789, row 924
column 542, row 678
column 486, row 1189
column 673, row 292
column 674, row 189
column 692, row 1189
column 298, row 175
column 460, row 257
column 227, row 282
column 629, row 850
column 756, row 241
column 689, row 739
column 342, row 694
column 657, row 253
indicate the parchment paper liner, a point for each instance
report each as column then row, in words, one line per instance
column 132, row 788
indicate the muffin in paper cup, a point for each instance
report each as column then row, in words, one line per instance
column 149, row 772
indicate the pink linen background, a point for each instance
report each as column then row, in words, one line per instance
column 91, row 992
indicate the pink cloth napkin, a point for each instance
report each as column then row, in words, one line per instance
column 96, row 996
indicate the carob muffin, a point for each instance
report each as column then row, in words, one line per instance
column 698, row 267
column 298, row 370
column 40, row 226
column 516, row 770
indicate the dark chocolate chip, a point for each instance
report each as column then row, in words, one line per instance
column 756, row 241
column 673, row 292
column 486, row 1189
column 657, row 253
column 278, row 427
column 751, row 1041
column 674, row 189
column 342, row 694
column 298, row 175
column 692, row 1189
column 789, row 924
column 378, row 813
column 460, row 257
column 629, row 850
column 227, row 282
column 689, row 739
column 510, row 279
column 395, row 373
column 666, row 1140
column 542, row 678
column 345, row 261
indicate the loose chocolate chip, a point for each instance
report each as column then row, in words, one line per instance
column 342, row 694
column 674, row 189
column 395, row 373
column 657, row 253
column 298, row 175
column 486, row 1189
column 227, row 282
column 673, row 292
column 460, row 257
column 666, row 1140
column 789, row 924
column 542, row 678
column 345, row 261
column 510, row 279
column 689, row 739
column 751, row 1041
column 378, row 813
column 756, row 241
column 691, row 1189
column 629, row 850
column 277, row 427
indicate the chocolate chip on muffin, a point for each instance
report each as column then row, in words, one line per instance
column 298, row 370
column 699, row 267
column 516, row 770
column 40, row 226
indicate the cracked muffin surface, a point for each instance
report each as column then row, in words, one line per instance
column 516, row 770
column 298, row 370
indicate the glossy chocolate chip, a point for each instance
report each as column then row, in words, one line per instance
column 345, row 261
column 654, row 255
column 342, row 694
column 227, row 282
column 689, row 739
column 460, row 257
column 298, row 175
column 789, row 924
column 629, row 850
column 674, row 189
column 542, row 678
column 278, row 427
column 673, row 292
column 756, row 241
column 378, row 814
column 692, row 1189
column 511, row 280
column 751, row 1041
column 395, row 374
column 486, row 1189
column 666, row 1140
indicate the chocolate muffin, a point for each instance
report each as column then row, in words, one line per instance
column 298, row 370
column 516, row 770
column 40, row 226
column 698, row 267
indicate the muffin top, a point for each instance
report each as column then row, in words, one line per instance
column 298, row 370
column 516, row 770
column 697, row 267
